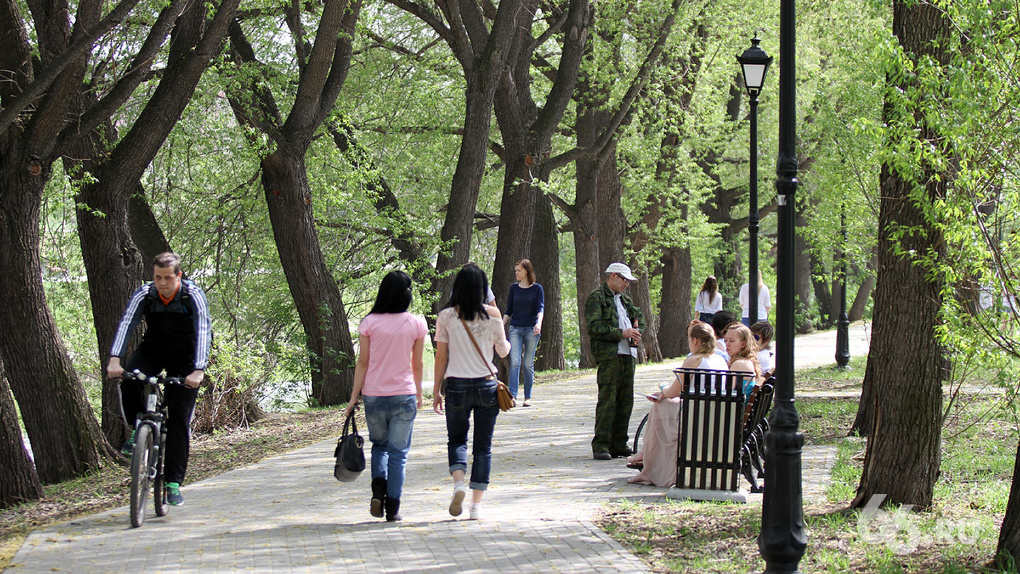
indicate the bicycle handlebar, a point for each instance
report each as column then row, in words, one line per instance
column 140, row 376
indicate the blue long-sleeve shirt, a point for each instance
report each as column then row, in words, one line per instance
column 524, row 305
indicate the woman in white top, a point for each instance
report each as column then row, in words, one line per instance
column 709, row 300
column 763, row 333
column 657, row 457
column 743, row 351
column 764, row 302
column 470, row 384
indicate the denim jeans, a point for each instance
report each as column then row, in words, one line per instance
column 523, row 342
column 390, row 420
column 464, row 396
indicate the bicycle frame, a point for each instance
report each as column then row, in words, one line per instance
column 147, row 458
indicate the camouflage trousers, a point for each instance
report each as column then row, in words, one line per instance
column 616, row 401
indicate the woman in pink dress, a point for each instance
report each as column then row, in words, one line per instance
column 657, row 457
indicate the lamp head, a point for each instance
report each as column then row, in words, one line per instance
column 754, row 63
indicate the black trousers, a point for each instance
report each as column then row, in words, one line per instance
column 180, row 403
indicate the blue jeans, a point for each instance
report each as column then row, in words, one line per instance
column 390, row 420
column 464, row 396
column 523, row 342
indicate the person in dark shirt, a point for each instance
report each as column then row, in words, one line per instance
column 177, row 340
column 525, row 309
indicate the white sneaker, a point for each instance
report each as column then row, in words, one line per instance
column 456, row 505
column 475, row 512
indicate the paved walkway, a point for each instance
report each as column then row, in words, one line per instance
column 288, row 514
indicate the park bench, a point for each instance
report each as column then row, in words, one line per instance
column 717, row 443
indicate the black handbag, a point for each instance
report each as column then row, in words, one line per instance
column 350, row 458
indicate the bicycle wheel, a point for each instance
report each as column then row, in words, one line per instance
column 140, row 474
column 159, row 487
column 637, row 433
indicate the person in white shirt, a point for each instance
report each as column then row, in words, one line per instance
column 467, row 332
column 764, row 302
column 763, row 333
column 709, row 300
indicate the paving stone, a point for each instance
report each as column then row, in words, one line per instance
column 288, row 514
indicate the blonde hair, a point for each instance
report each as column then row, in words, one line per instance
column 705, row 337
column 750, row 348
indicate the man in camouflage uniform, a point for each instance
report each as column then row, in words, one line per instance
column 613, row 321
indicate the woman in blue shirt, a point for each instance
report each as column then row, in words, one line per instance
column 524, row 311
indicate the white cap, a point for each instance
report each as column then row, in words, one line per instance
column 621, row 270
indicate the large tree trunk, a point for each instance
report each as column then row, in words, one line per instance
column 592, row 172
column 312, row 286
column 1008, row 551
column 18, row 479
column 323, row 71
column 675, row 312
column 66, row 438
column 903, row 455
column 546, row 255
column 527, row 227
column 113, row 262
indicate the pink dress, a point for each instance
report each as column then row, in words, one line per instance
column 661, row 435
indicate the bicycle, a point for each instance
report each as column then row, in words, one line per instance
column 147, row 456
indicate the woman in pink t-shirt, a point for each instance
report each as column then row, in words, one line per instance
column 388, row 377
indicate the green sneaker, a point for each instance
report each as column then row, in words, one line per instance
column 173, row 494
column 129, row 445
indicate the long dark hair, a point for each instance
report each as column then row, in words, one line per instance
column 469, row 288
column 711, row 287
column 394, row 293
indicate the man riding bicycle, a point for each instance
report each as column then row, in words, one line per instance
column 177, row 339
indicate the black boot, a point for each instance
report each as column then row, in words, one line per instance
column 393, row 510
column 378, row 497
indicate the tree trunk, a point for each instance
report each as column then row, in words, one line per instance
column 675, row 312
column 546, row 255
column 802, row 279
column 527, row 226
column 903, row 454
column 592, row 172
column 114, row 264
column 66, row 438
column 467, row 181
column 1008, row 552
column 856, row 312
column 312, row 286
column 639, row 291
column 18, row 479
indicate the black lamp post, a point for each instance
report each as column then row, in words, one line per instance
column 843, row 323
column 782, row 539
column 754, row 63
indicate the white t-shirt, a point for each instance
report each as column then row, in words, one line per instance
column 703, row 305
column 764, row 302
column 464, row 361
column 766, row 360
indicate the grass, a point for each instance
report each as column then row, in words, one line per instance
column 959, row 534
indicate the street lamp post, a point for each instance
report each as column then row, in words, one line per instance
column 782, row 539
column 754, row 64
column 843, row 323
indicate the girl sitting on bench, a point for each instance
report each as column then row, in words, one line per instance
column 658, row 455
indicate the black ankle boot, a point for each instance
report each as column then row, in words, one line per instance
column 393, row 510
column 378, row 497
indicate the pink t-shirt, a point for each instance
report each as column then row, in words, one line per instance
column 391, row 339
